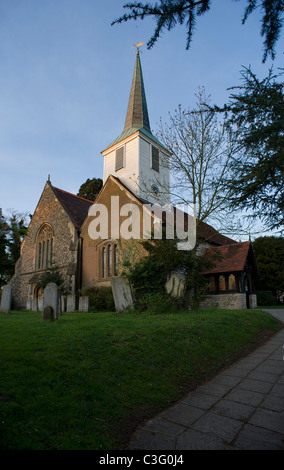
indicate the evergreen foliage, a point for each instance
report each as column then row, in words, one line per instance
column 53, row 274
column 269, row 253
column 169, row 13
column 100, row 299
column 256, row 116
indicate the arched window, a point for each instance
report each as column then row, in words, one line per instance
column 222, row 283
column 109, row 260
column 103, row 262
column 115, row 260
column 211, row 284
column 232, row 282
column 44, row 247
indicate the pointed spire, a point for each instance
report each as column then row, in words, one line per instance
column 137, row 112
column 137, row 118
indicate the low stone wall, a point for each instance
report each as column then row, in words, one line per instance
column 233, row 301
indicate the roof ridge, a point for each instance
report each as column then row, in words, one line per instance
column 71, row 194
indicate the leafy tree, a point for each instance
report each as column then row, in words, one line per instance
column 256, row 116
column 5, row 263
column 90, row 189
column 169, row 13
column 149, row 274
column 17, row 230
column 269, row 252
column 12, row 232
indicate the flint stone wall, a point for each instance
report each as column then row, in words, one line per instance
column 49, row 210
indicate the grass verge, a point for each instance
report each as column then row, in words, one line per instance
column 87, row 380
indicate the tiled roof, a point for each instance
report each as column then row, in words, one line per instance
column 205, row 231
column 232, row 257
column 76, row 207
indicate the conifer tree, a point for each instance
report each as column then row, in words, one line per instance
column 169, row 13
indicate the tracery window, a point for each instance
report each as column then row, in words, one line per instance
column 44, row 246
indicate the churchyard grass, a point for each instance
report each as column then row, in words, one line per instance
column 87, row 380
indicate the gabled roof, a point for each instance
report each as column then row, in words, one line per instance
column 76, row 207
column 232, row 257
column 205, row 231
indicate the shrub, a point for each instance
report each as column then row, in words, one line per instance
column 265, row 298
column 100, row 299
column 158, row 303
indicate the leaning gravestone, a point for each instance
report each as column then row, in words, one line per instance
column 50, row 302
column 122, row 294
column 175, row 286
column 6, row 299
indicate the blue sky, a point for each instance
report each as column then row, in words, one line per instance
column 66, row 75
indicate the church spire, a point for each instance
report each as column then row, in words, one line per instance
column 137, row 112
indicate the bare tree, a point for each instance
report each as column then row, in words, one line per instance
column 202, row 148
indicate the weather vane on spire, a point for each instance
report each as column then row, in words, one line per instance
column 139, row 44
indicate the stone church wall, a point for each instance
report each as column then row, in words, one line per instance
column 49, row 210
column 232, row 301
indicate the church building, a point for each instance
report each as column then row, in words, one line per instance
column 62, row 232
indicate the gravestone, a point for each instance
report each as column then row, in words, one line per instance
column 48, row 314
column 176, row 285
column 122, row 294
column 84, row 303
column 71, row 303
column 6, row 299
column 50, row 302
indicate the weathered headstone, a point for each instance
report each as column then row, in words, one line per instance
column 122, row 294
column 176, row 285
column 50, row 302
column 48, row 313
column 84, row 303
column 29, row 304
column 34, row 305
column 71, row 303
column 6, row 299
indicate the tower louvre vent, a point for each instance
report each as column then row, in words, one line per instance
column 119, row 158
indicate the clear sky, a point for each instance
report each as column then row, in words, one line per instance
column 66, row 75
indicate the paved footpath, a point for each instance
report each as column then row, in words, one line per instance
column 241, row 408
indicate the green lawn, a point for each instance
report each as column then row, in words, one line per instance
column 86, row 380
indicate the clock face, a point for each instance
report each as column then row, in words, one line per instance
column 155, row 189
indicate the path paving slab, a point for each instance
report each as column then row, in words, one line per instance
column 241, row 408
